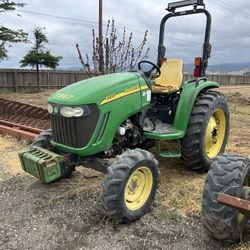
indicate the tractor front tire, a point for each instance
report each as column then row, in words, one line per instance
column 42, row 140
column 228, row 175
column 130, row 185
column 207, row 132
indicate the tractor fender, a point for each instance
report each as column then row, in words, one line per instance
column 190, row 91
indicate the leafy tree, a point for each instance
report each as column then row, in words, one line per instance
column 6, row 34
column 38, row 56
column 118, row 54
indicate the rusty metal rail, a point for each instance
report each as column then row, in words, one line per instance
column 22, row 120
column 234, row 202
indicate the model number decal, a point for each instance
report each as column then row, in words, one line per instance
column 64, row 96
column 148, row 95
column 126, row 92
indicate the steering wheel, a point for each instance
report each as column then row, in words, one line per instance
column 150, row 73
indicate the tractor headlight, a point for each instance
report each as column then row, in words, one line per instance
column 50, row 108
column 72, row 112
column 78, row 112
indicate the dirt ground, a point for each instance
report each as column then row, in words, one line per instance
column 69, row 214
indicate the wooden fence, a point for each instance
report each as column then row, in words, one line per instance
column 25, row 80
column 225, row 79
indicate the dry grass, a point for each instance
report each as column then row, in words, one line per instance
column 244, row 90
column 37, row 99
column 180, row 189
column 9, row 161
column 245, row 246
column 83, row 181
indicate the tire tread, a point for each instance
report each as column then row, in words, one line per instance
column 225, row 176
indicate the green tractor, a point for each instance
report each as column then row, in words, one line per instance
column 108, row 123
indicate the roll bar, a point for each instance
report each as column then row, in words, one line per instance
column 206, row 46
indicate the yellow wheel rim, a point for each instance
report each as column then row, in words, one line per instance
column 138, row 188
column 242, row 216
column 215, row 133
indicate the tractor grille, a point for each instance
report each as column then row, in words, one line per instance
column 74, row 132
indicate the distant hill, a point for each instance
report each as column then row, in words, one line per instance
column 71, row 68
column 235, row 68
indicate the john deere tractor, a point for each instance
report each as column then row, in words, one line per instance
column 109, row 122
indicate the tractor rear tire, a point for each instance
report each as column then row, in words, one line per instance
column 207, row 131
column 130, row 185
column 228, row 175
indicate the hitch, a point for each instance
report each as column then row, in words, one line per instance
column 242, row 204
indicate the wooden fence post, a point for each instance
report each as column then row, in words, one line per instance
column 48, row 83
column 15, row 81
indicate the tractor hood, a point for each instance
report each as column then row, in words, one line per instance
column 96, row 90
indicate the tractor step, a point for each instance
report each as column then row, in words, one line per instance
column 170, row 154
column 42, row 164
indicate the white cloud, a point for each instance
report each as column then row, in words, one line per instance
column 230, row 31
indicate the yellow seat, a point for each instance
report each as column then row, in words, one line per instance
column 171, row 77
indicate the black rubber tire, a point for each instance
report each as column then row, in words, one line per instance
column 42, row 140
column 226, row 175
column 116, row 179
column 193, row 144
column 147, row 144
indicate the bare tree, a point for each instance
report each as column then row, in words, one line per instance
column 118, row 54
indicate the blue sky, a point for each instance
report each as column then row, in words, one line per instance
column 230, row 31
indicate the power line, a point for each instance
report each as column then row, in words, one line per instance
column 231, row 9
column 59, row 17
column 240, row 27
column 79, row 20
column 96, row 23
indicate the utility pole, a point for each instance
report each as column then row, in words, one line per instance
column 101, row 59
